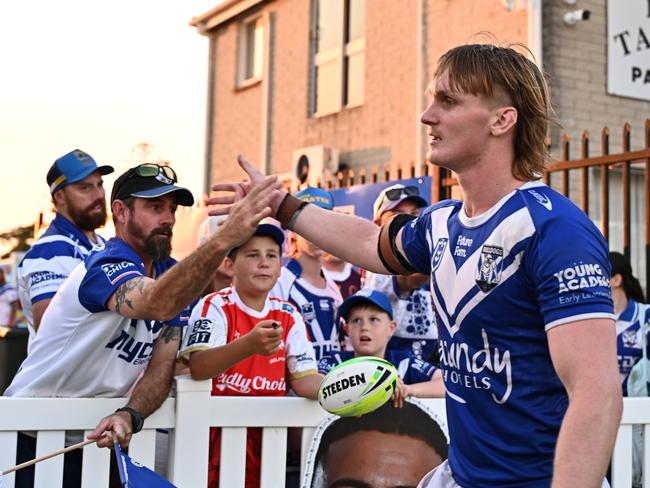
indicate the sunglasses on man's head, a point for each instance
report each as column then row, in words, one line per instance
column 409, row 191
column 147, row 170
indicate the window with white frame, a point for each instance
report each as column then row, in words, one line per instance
column 250, row 51
column 339, row 55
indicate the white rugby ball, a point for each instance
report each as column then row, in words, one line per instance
column 357, row 386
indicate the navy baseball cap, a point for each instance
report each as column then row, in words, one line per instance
column 317, row 196
column 266, row 230
column 367, row 295
column 150, row 180
column 73, row 167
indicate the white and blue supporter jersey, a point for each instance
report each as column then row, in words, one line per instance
column 49, row 262
column 499, row 282
column 83, row 349
column 629, row 343
column 318, row 306
column 410, row 368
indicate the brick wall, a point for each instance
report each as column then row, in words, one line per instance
column 381, row 130
column 575, row 58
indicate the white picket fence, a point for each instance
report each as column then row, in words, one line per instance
column 188, row 417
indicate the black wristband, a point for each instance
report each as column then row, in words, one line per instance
column 137, row 419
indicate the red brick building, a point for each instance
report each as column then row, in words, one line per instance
column 346, row 76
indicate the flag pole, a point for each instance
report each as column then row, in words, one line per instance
column 48, row 456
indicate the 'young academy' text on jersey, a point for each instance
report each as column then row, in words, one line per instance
column 499, row 282
column 629, row 342
column 48, row 263
column 318, row 306
column 83, row 349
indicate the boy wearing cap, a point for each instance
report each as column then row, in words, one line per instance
column 368, row 317
column 250, row 344
column 77, row 190
column 409, row 295
column 117, row 319
column 304, row 283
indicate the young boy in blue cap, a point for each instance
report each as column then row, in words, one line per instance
column 369, row 323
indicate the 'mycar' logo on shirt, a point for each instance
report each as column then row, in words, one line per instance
column 116, row 271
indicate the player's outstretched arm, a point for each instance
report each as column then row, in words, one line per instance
column 209, row 363
column 148, row 394
column 584, row 356
column 351, row 238
column 167, row 296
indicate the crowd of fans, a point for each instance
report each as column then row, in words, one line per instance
column 265, row 319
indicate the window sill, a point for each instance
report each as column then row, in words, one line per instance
column 243, row 85
column 319, row 115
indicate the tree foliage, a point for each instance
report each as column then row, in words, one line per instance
column 17, row 239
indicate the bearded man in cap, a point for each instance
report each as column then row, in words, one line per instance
column 118, row 318
column 77, row 189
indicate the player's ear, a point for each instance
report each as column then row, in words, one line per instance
column 616, row 280
column 504, row 119
column 346, row 328
column 393, row 327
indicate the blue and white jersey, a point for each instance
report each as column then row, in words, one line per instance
column 8, row 298
column 413, row 313
column 49, row 262
column 410, row 369
column 629, row 343
column 318, row 306
column 83, row 349
column 499, row 282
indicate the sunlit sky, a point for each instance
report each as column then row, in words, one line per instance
column 102, row 77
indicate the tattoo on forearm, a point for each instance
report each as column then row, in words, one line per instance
column 170, row 334
column 123, row 293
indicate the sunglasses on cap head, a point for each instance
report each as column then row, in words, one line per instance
column 162, row 173
column 395, row 193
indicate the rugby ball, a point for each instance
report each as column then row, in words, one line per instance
column 357, row 386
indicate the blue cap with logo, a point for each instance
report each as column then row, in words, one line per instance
column 366, row 295
column 73, row 167
column 266, row 230
column 317, row 196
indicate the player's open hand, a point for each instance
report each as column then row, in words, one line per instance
column 237, row 191
column 114, row 428
column 265, row 338
column 246, row 213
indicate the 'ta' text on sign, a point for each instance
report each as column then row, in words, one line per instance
column 628, row 48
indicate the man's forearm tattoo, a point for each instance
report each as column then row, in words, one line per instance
column 170, row 334
column 123, row 293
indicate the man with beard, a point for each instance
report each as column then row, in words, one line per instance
column 78, row 196
column 117, row 320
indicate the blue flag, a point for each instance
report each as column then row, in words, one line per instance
column 135, row 475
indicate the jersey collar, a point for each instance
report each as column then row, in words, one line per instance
column 67, row 228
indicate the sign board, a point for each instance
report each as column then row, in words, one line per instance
column 359, row 199
column 628, row 48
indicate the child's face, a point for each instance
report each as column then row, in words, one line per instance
column 256, row 266
column 369, row 329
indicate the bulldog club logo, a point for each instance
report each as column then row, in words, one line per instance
column 490, row 263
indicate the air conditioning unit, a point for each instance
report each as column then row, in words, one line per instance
column 314, row 163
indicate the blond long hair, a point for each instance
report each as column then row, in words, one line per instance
column 479, row 69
